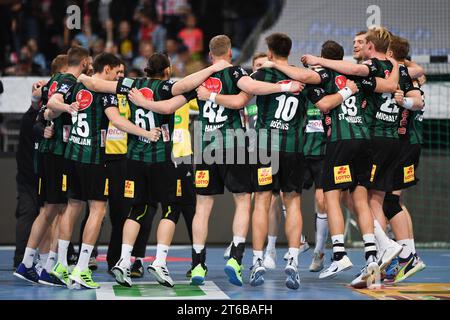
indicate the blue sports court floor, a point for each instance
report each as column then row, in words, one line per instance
column 430, row 284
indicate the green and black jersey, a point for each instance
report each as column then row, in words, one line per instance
column 381, row 113
column 88, row 134
column 63, row 84
column 315, row 140
column 415, row 126
column 346, row 121
column 217, row 122
column 140, row 148
column 406, row 116
column 282, row 112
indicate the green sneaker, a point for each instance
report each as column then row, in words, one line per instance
column 234, row 272
column 198, row 275
column 62, row 273
column 84, row 278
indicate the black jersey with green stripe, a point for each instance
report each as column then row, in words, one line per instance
column 140, row 148
column 381, row 113
column 88, row 134
column 346, row 121
column 63, row 84
column 315, row 140
column 283, row 112
column 415, row 126
column 217, row 122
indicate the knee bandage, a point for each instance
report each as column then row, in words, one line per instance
column 391, row 205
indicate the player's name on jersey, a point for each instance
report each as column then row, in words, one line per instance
column 351, row 119
column 386, row 117
column 278, row 124
column 213, row 127
column 81, row 141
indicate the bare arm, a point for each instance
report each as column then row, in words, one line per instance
column 414, row 70
column 414, row 95
column 331, row 101
column 57, row 105
column 340, row 66
column 98, row 85
column 300, row 74
column 236, row 101
column 163, row 107
column 261, row 88
column 127, row 126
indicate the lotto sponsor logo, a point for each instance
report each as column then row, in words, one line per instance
column 342, row 174
column 52, row 89
column 213, row 84
column 372, row 173
column 179, row 192
column 147, row 93
column 64, row 183
column 408, row 174
column 201, row 178
column 264, row 176
column 340, row 81
column 84, row 99
column 129, row 189
column 106, row 192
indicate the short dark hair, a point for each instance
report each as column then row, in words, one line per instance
column 156, row 65
column 332, row 50
column 360, row 33
column 399, row 47
column 75, row 55
column 58, row 63
column 280, row 44
column 105, row 59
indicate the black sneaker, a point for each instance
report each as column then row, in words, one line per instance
column 137, row 269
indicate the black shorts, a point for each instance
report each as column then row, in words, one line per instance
column 52, row 179
column 87, row 181
column 407, row 165
column 150, row 182
column 185, row 193
column 287, row 176
column 312, row 173
column 385, row 153
column 346, row 165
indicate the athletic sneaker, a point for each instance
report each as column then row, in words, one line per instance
column 408, row 268
column 293, row 278
column 161, row 273
column 189, row 273
column 304, row 246
column 83, row 278
column 369, row 274
column 234, row 272
column 227, row 253
column 49, row 280
column 38, row 268
column 336, row 267
column 62, row 273
column 388, row 254
column 137, row 269
column 391, row 271
column 28, row 274
column 270, row 258
column 317, row 262
column 198, row 274
column 257, row 275
column 92, row 263
column 122, row 275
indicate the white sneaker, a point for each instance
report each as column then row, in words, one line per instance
column 39, row 268
column 161, row 274
column 227, row 253
column 336, row 267
column 293, row 278
column 257, row 275
column 304, row 246
column 270, row 259
column 317, row 262
column 122, row 275
column 370, row 275
column 389, row 253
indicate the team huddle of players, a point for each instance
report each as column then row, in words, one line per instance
column 352, row 130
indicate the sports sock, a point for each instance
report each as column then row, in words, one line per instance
column 412, row 246
column 28, row 257
column 84, row 256
column 51, row 261
column 237, row 240
column 125, row 255
column 43, row 258
column 406, row 251
column 63, row 246
column 198, row 247
column 338, row 247
column 293, row 253
column 161, row 255
column 257, row 255
column 370, row 248
column 321, row 232
column 271, row 243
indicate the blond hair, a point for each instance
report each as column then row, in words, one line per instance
column 380, row 37
column 219, row 45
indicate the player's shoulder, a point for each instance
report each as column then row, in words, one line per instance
column 236, row 72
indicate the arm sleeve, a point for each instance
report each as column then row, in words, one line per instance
column 237, row 73
column 190, row 95
column 165, row 89
column 258, row 75
column 124, row 85
column 324, row 74
column 368, row 84
column 109, row 100
column 406, row 81
column 66, row 86
column 373, row 66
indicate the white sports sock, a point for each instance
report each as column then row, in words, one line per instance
column 161, row 255
column 198, row 247
column 257, row 255
column 28, row 257
column 125, row 255
column 63, row 246
column 293, row 253
column 237, row 240
column 271, row 243
column 84, row 256
column 412, row 245
column 381, row 236
column 43, row 258
column 51, row 261
column 141, row 259
column 406, row 251
column 321, row 232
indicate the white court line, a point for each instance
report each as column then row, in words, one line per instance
column 7, row 248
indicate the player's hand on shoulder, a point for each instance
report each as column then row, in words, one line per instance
column 352, row 86
column 296, row 86
column 220, row 65
column 136, row 97
column 203, row 93
column 73, row 108
column 154, row 134
column 309, row 59
column 398, row 96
